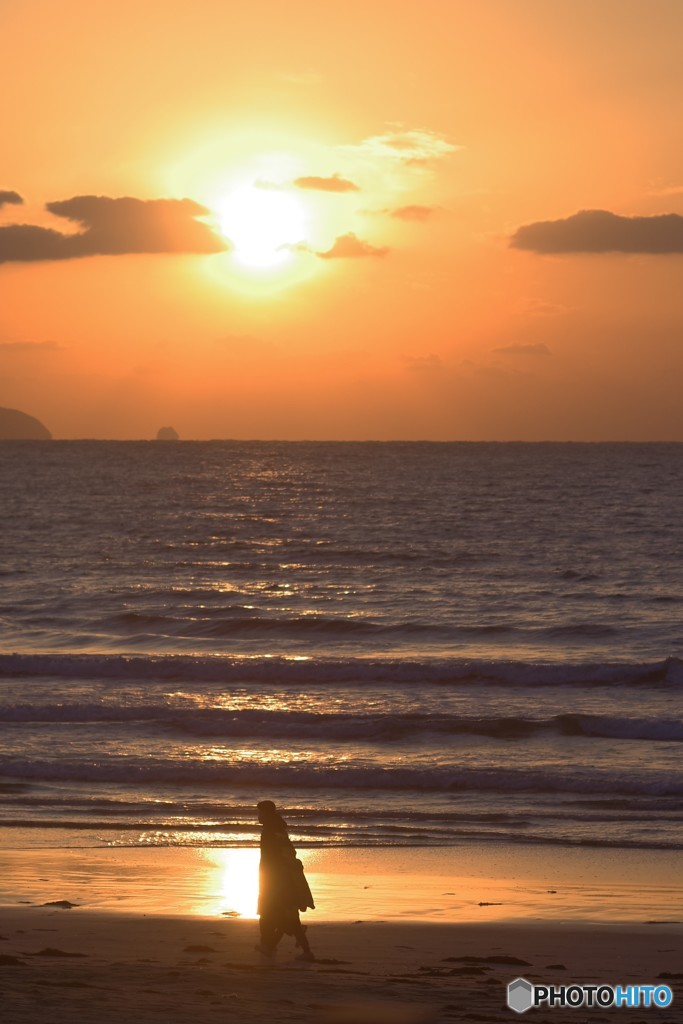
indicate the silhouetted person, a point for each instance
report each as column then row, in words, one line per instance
column 283, row 889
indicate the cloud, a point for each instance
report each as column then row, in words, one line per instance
column 29, row 346
column 7, row 197
column 424, row 364
column 601, row 231
column 414, row 213
column 112, row 227
column 406, row 145
column 350, row 247
column 667, row 190
column 522, row 349
column 333, row 184
column 537, row 307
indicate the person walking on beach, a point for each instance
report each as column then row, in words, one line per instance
column 283, row 889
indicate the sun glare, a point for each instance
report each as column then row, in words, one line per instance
column 236, row 880
column 262, row 224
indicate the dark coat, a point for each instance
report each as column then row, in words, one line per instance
column 283, row 889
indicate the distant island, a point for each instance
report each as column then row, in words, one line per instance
column 19, row 426
column 167, row 434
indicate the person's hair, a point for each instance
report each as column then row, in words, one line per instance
column 270, row 814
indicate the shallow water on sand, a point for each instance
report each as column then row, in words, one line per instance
column 478, row 883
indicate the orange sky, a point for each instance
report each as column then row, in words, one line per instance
column 384, row 155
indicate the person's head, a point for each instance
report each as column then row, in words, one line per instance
column 266, row 811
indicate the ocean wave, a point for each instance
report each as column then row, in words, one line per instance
column 223, row 835
column 278, row 725
column 367, row 777
column 294, row 671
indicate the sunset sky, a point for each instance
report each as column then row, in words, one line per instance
column 415, row 220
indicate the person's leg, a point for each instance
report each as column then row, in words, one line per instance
column 302, row 941
column 269, row 934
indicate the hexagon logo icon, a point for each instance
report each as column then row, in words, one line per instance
column 520, row 995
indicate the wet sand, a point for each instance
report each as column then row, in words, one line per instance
column 478, row 883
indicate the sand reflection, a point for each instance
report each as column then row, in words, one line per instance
column 232, row 880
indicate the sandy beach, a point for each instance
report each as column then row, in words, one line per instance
column 69, row 965
column 145, row 934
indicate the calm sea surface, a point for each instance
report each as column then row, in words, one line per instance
column 400, row 643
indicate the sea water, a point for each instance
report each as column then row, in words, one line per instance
column 399, row 643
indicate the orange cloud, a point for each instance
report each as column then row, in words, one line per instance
column 350, row 247
column 335, row 183
column 415, row 212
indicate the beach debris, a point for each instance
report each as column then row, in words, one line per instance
column 552, row 892
column 62, row 904
column 199, row 949
column 489, row 904
column 555, row 967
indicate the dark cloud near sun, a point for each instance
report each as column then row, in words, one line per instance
column 112, row 227
column 593, row 231
column 7, row 197
column 351, row 247
column 335, row 183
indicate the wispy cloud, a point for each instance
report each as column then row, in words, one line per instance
column 414, row 212
column 30, row 347
column 523, row 349
column 351, row 247
column 405, row 144
column 425, row 364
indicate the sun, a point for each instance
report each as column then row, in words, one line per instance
column 263, row 224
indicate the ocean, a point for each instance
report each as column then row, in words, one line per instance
column 402, row 644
